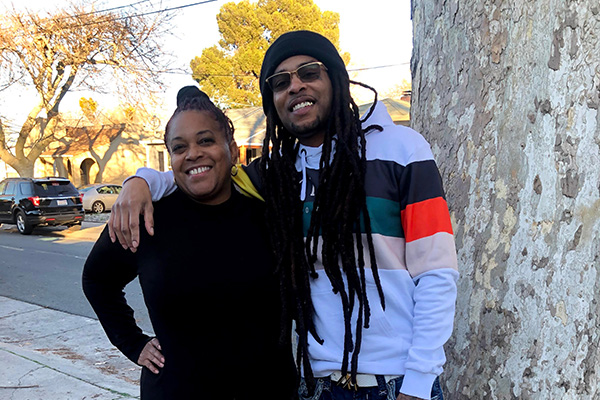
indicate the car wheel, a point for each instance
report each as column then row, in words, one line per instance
column 25, row 227
column 98, row 207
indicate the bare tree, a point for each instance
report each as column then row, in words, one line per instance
column 101, row 132
column 508, row 93
column 74, row 48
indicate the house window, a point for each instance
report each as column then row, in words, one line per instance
column 251, row 154
column 161, row 160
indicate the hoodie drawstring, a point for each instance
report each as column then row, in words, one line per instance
column 303, row 166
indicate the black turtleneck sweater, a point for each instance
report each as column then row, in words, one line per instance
column 212, row 296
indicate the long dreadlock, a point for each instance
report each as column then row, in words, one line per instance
column 339, row 207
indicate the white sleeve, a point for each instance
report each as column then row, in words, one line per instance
column 161, row 184
column 435, row 298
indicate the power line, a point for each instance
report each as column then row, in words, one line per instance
column 166, row 9
column 222, row 75
column 377, row 67
column 252, row 76
column 132, row 15
column 106, row 10
column 143, row 14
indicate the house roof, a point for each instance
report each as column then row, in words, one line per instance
column 250, row 124
column 81, row 139
column 399, row 109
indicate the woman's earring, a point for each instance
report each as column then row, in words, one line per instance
column 234, row 170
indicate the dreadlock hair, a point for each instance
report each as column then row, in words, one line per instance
column 338, row 210
column 199, row 101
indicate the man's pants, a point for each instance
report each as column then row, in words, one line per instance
column 328, row 390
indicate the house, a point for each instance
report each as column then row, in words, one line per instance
column 399, row 110
column 103, row 153
column 250, row 125
column 6, row 171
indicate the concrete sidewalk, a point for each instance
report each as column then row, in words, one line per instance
column 47, row 354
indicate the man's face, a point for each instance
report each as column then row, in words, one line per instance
column 304, row 107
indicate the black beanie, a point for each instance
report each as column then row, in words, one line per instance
column 298, row 43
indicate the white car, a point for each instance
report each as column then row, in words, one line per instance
column 99, row 197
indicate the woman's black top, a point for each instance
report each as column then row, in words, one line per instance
column 208, row 281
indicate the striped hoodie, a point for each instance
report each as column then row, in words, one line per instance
column 415, row 253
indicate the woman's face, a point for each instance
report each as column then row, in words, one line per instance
column 201, row 158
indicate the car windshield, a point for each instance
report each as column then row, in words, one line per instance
column 54, row 188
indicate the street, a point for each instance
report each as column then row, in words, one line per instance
column 45, row 268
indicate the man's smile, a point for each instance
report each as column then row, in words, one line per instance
column 302, row 105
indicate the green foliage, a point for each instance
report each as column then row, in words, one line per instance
column 228, row 72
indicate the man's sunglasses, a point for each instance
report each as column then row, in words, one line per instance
column 307, row 73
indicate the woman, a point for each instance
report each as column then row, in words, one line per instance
column 216, row 320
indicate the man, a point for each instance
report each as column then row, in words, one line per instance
column 360, row 226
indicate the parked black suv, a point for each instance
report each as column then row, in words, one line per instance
column 31, row 202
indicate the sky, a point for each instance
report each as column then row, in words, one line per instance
column 376, row 33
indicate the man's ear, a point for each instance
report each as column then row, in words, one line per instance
column 235, row 152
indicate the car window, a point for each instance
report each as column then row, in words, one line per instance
column 54, row 188
column 116, row 189
column 25, row 189
column 105, row 190
column 2, row 186
column 10, row 188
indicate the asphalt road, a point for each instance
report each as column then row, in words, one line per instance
column 45, row 268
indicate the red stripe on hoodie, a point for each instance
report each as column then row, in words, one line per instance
column 426, row 218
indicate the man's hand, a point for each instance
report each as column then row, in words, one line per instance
column 124, row 221
column 151, row 357
column 402, row 396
